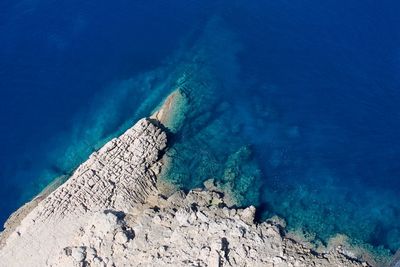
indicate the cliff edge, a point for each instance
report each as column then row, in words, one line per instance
column 110, row 213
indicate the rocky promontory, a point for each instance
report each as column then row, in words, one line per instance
column 111, row 213
column 117, row 177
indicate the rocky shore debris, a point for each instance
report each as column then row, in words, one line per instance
column 177, row 231
column 110, row 213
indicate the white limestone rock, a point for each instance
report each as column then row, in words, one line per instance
column 117, row 177
column 110, row 213
column 248, row 214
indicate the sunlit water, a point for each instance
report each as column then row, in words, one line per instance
column 293, row 107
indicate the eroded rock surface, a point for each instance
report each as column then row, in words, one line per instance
column 188, row 230
column 110, row 213
column 116, row 177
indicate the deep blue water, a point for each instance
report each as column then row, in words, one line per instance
column 314, row 87
column 59, row 63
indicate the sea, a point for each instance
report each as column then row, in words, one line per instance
column 294, row 106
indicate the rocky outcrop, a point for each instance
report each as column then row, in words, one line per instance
column 119, row 175
column 196, row 229
column 110, row 213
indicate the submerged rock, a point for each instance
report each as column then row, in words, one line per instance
column 110, row 213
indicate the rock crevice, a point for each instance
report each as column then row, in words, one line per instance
column 110, row 213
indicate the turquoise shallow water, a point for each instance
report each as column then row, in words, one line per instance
column 271, row 157
column 291, row 107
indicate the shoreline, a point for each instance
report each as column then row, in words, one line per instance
column 164, row 115
column 14, row 220
column 99, row 184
